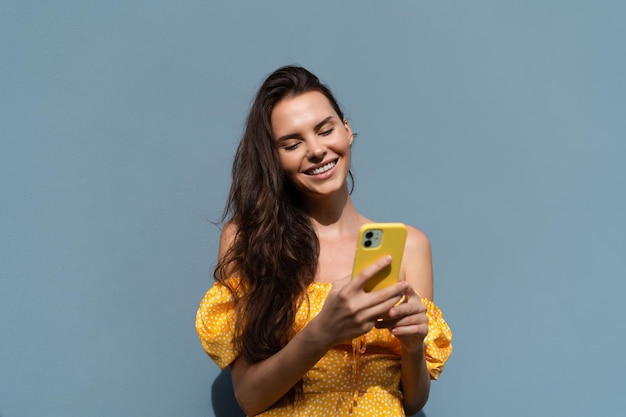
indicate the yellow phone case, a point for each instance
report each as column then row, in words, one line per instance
column 375, row 241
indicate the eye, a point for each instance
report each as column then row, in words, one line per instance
column 291, row 146
column 327, row 131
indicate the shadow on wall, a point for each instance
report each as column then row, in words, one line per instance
column 223, row 397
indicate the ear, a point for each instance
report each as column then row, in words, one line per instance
column 348, row 130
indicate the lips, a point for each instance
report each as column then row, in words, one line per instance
column 320, row 169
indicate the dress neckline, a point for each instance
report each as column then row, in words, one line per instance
column 320, row 284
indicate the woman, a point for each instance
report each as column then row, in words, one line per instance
column 300, row 334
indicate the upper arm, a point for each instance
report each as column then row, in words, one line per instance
column 239, row 366
column 229, row 231
column 227, row 237
column 417, row 262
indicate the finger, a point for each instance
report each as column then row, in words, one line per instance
column 370, row 270
column 416, row 329
column 410, row 320
column 375, row 310
column 360, row 279
column 406, row 314
column 411, row 294
column 408, row 308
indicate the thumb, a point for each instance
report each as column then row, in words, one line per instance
column 369, row 271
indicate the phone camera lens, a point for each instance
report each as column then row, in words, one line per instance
column 367, row 243
column 369, row 235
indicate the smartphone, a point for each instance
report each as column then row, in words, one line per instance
column 375, row 241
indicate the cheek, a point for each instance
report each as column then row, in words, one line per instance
column 289, row 164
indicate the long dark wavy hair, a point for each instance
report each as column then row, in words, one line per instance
column 275, row 249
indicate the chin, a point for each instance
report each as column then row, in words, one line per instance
column 325, row 191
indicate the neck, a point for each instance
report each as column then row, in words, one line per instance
column 334, row 215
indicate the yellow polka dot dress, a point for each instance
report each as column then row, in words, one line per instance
column 357, row 379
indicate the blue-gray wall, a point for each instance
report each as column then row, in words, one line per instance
column 495, row 126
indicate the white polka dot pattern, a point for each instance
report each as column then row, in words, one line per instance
column 331, row 384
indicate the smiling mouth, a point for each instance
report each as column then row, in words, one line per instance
column 322, row 169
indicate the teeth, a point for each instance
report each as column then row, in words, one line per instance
column 323, row 169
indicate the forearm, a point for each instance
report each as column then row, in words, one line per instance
column 415, row 380
column 258, row 386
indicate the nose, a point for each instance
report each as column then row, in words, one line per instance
column 316, row 150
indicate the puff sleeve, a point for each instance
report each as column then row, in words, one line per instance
column 215, row 325
column 437, row 344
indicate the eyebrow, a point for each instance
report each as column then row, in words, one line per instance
column 296, row 135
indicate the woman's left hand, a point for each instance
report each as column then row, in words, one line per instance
column 407, row 320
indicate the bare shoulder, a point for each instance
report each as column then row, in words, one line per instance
column 417, row 262
column 229, row 231
column 416, row 240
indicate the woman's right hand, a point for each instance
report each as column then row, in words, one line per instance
column 349, row 311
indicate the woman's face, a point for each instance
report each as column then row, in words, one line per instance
column 313, row 143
